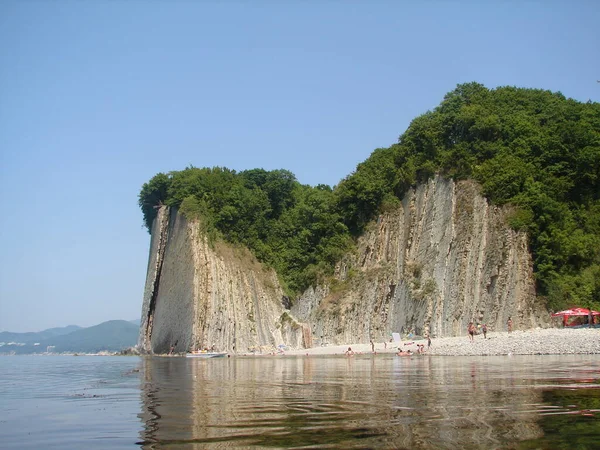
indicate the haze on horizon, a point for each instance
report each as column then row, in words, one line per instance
column 97, row 97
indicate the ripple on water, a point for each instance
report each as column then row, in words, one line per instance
column 64, row 402
column 366, row 402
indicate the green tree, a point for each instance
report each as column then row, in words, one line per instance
column 154, row 193
column 533, row 150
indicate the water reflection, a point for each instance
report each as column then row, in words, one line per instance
column 361, row 402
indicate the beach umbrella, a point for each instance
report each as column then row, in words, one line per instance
column 575, row 312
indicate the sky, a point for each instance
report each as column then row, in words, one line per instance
column 96, row 97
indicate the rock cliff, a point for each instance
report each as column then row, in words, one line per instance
column 203, row 295
column 443, row 258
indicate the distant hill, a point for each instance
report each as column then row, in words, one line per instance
column 32, row 337
column 113, row 335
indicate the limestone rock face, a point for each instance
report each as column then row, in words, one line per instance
column 200, row 295
column 443, row 258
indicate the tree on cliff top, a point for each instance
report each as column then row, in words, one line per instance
column 153, row 194
column 530, row 148
column 291, row 227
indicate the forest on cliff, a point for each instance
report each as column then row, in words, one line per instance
column 532, row 149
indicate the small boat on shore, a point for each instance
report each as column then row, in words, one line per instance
column 206, row 354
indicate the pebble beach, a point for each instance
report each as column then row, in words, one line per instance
column 548, row 341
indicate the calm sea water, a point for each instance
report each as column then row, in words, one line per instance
column 383, row 401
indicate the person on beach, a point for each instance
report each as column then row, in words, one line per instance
column 471, row 331
column 372, row 346
column 349, row 352
column 428, row 342
column 509, row 324
column 484, row 331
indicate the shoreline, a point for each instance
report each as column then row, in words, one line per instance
column 539, row 341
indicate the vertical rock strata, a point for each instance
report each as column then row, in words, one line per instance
column 444, row 258
column 441, row 259
column 201, row 295
column 155, row 260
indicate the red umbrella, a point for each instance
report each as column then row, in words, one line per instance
column 575, row 312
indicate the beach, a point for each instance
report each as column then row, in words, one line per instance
column 547, row 341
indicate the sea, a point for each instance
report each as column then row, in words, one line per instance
column 301, row 402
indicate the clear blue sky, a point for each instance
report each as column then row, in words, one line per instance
column 98, row 96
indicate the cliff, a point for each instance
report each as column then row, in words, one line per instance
column 200, row 295
column 441, row 259
column 444, row 258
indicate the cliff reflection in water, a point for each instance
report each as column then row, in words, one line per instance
column 361, row 402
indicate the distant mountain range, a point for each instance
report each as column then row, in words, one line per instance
column 111, row 336
column 31, row 337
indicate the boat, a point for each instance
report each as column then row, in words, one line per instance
column 206, row 354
